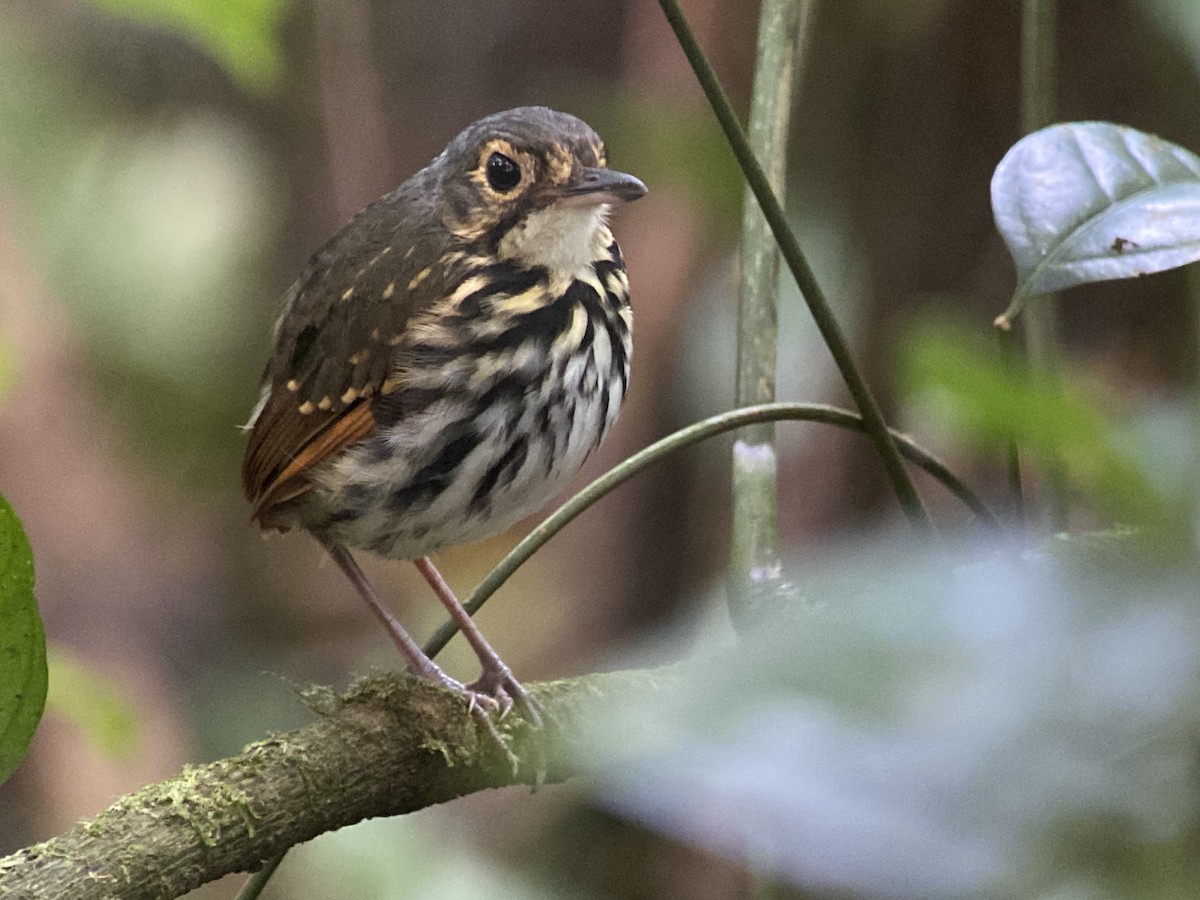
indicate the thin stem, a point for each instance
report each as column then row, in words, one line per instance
column 1038, row 102
column 827, row 324
column 255, row 883
column 755, row 559
column 686, row 437
column 1016, row 493
column 780, row 31
column 1192, row 274
column 1038, row 82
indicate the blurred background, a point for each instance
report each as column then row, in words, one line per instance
column 166, row 168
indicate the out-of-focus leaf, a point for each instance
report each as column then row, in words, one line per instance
column 400, row 857
column 8, row 366
column 242, row 35
column 23, row 677
column 162, row 280
column 94, row 703
column 667, row 144
column 1091, row 201
column 165, row 279
column 960, row 378
column 1178, row 22
column 936, row 723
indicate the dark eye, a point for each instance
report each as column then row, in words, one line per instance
column 503, row 174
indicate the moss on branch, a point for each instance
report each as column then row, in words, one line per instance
column 390, row 745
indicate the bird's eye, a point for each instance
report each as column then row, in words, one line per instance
column 503, row 173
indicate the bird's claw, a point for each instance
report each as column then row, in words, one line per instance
column 481, row 704
column 497, row 691
column 499, row 685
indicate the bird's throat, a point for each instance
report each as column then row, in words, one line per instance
column 565, row 240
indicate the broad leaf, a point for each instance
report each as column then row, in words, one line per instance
column 1091, row 201
column 22, row 645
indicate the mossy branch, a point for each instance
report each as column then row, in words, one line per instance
column 390, row 745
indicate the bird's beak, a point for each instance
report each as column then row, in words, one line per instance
column 590, row 186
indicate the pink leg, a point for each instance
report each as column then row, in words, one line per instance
column 418, row 663
column 496, row 679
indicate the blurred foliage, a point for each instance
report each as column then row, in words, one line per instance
column 1178, row 21
column 179, row 202
column 47, row 121
column 8, row 366
column 959, row 379
column 672, row 148
column 94, row 703
column 23, row 676
column 242, row 35
column 402, row 857
column 152, row 230
column 937, row 721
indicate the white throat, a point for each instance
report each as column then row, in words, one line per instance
column 566, row 240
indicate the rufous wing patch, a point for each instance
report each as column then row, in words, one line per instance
column 270, row 481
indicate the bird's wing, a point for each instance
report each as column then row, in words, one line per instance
column 335, row 346
column 269, row 484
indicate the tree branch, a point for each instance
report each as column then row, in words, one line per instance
column 392, row 744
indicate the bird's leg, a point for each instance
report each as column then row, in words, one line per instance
column 418, row 662
column 496, row 679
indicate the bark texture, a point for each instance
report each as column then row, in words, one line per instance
column 390, row 745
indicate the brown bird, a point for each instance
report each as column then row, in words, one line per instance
column 448, row 360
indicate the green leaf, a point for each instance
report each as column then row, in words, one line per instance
column 1091, row 201
column 95, row 704
column 23, row 677
column 242, row 35
column 8, row 366
column 960, row 377
column 1177, row 21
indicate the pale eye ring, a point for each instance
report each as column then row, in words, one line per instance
column 503, row 173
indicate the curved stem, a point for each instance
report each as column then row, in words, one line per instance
column 831, row 332
column 255, row 883
column 686, row 437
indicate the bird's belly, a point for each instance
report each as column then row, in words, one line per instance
column 466, row 467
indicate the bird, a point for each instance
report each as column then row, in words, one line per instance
column 447, row 361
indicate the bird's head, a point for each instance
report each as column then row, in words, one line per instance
column 532, row 186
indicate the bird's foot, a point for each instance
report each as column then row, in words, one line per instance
column 480, row 704
column 489, row 699
column 497, row 683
